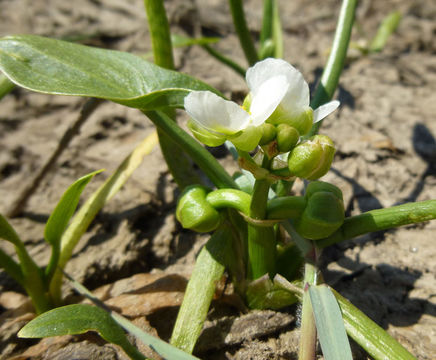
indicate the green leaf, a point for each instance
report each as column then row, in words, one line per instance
column 208, row 270
column 78, row 319
column 386, row 28
column 61, row 215
column 329, row 323
column 376, row 341
column 59, row 67
column 263, row 293
column 8, row 233
column 92, row 206
column 164, row 349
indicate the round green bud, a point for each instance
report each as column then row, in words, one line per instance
column 323, row 215
column 317, row 186
column 312, row 158
column 302, row 122
column 269, row 133
column 194, row 212
column 287, row 137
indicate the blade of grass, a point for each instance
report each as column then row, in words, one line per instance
column 92, row 206
column 208, row 270
column 329, row 324
column 376, row 341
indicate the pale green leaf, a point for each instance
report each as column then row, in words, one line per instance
column 78, row 319
column 329, row 324
column 58, row 220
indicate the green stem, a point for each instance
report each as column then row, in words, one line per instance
column 267, row 21
column 261, row 240
column 230, row 198
column 382, row 219
column 6, row 86
column 286, row 207
column 208, row 270
column 241, row 28
column 178, row 162
column 335, row 63
column 376, row 341
column 307, row 349
column 224, row 59
column 33, row 280
column 53, row 262
column 160, row 33
column 205, row 161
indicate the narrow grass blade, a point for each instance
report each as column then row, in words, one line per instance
column 386, row 28
column 208, row 270
column 92, row 206
column 329, row 324
column 11, row 267
column 61, row 215
column 376, row 341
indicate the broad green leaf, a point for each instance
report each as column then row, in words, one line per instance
column 92, row 206
column 78, row 319
column 161, row 347
column 61, row 215
column 58, row 67
column 376, row 341
column 329, row 323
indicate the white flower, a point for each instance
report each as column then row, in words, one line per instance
column 279, row 93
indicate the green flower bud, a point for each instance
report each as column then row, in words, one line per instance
column 269, row 133
column 205, row 136
column 287, row 137
column 194, row 212
column 302, row 122
column 323, row 215
column 312, row 158
column 317, row 186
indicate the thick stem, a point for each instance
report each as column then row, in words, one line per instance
column 382, row 219
column 160, row 33
column 261, row 240
column 308, row 329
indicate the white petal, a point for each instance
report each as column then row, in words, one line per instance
column 214, row 113
column 297, row 97
column 325, row 110
column 267, row 97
